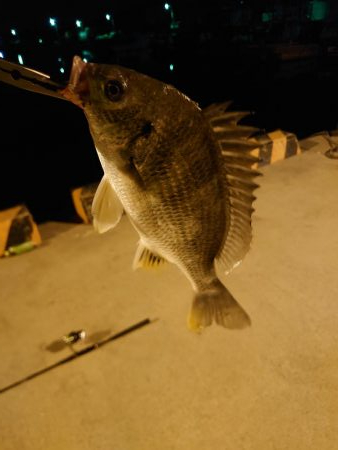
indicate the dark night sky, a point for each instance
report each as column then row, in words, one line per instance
column 35, row 11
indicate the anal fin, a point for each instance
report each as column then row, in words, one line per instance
column 147, row 259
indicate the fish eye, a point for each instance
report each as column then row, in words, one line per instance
column 114, row 90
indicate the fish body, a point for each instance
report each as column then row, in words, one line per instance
column 185, row 188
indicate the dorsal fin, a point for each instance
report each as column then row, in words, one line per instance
column 230, row 118
column 216, row 109
column 234, row 131
column 237, row 149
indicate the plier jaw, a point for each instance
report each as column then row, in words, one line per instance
column 32, row 80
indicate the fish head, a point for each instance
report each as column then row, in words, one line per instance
column 122, row 105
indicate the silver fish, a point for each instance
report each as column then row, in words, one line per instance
column 183, row 176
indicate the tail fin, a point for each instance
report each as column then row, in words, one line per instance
column 216, row 304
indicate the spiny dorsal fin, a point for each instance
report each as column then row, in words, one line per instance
column 216, row 109
column 147, row 259
column 106, row 208
column 234, row 131
column 236, row 149
column 238, row 145
column 243, row 159
column 229, row 118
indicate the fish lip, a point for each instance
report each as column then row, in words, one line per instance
column 77, row 91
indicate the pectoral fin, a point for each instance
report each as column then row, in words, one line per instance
column 106, row 208
column 147, row 259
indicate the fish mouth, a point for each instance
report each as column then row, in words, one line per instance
column 77, row 90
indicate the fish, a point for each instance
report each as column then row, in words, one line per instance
column 181, row 174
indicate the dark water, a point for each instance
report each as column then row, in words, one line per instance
column 46, row 148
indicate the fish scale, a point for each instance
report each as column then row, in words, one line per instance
column 186, row 209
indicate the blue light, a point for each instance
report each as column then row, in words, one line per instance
column 52, row 22
column 13, row 32
column 78, row 23
column 108, row 16
column 20, row 59
column 2, row 55
column 171, row 67
column 166, row 6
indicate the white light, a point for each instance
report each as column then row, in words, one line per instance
column 78, row 23
column 40, row 41
column 166, row 6
column 2, row 55
column 85, row 60
column 20, row 59
column 13, row 32
column 62, row 70
column 171, row 67
column 52, row 22
column 108, row 16
column 59, row 59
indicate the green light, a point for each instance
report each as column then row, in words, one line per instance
column 83, row 34
column 173, row 24
column 40, row 41
column 13, row 32
column 108, row 16
column 62, row 70
column 52, row 22
column 171, row 67
column 87, row 55
column 266, row 16
column 78, row 23
column 20, row 59
column 319, row 10
column 110, row 35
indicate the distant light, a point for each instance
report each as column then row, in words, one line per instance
column 87, row 55
column 59, row 59
column 2, row 55
column 171, row 67
column 84, row 33
column 267, row 16
column 166, row 6
column 52, row 22
column 62, row 70
column 78, row 23
column 13, row 32
column 319, row 10
column 20, row 59
column 108, row 16
column 40, row 41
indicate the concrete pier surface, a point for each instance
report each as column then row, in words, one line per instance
column 273, row 386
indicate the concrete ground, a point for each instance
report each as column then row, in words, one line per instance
column 271, row 387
